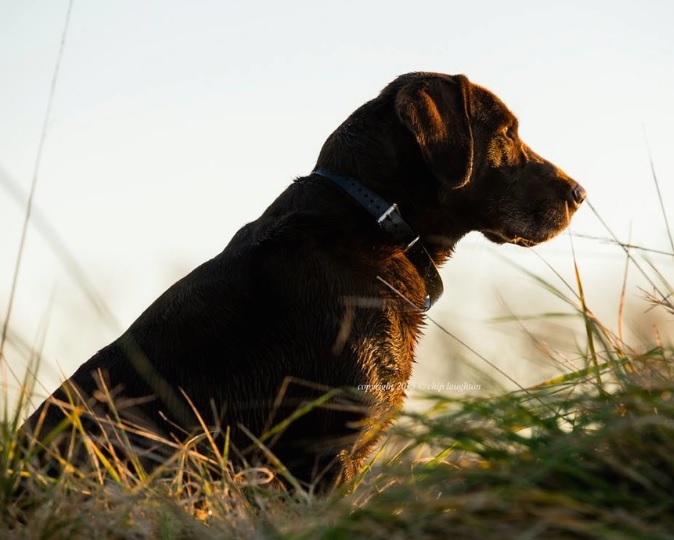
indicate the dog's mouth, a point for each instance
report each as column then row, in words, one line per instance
column 499, row 238
column 533, row 232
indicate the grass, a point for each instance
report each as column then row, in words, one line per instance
column 587, row 454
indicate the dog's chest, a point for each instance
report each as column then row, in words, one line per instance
column 386, row 356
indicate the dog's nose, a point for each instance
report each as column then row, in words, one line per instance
column 578, row 194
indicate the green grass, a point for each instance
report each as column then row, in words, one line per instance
column 540, row 464
column 588, row 454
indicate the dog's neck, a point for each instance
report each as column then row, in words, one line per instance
column 394, row 168
column 388, row 217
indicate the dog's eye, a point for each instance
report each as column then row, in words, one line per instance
column 510, row 132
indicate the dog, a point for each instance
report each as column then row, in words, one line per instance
column 296, row 342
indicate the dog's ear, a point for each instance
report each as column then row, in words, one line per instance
column 436, row 111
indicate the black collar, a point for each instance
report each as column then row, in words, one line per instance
column 389, row 218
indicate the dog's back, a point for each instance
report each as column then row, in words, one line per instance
column 244, row 341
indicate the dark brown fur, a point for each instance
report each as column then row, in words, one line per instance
column 293, row 308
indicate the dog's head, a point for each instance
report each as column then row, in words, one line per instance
column 487, row 178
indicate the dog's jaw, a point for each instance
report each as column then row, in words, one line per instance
column 499, row 238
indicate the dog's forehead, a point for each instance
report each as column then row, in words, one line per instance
column 488, row 108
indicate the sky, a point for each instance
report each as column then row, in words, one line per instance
column 174, row 123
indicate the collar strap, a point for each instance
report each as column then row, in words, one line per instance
column 389, row 218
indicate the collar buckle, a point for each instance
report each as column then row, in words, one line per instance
column 387, row 214
column 388, row 217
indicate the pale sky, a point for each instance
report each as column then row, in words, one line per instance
column 174, row 123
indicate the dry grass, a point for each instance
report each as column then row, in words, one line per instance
column 585, row 455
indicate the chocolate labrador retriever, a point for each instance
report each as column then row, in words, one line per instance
column 297, row 340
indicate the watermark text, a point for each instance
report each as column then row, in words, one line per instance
column 462, row 387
